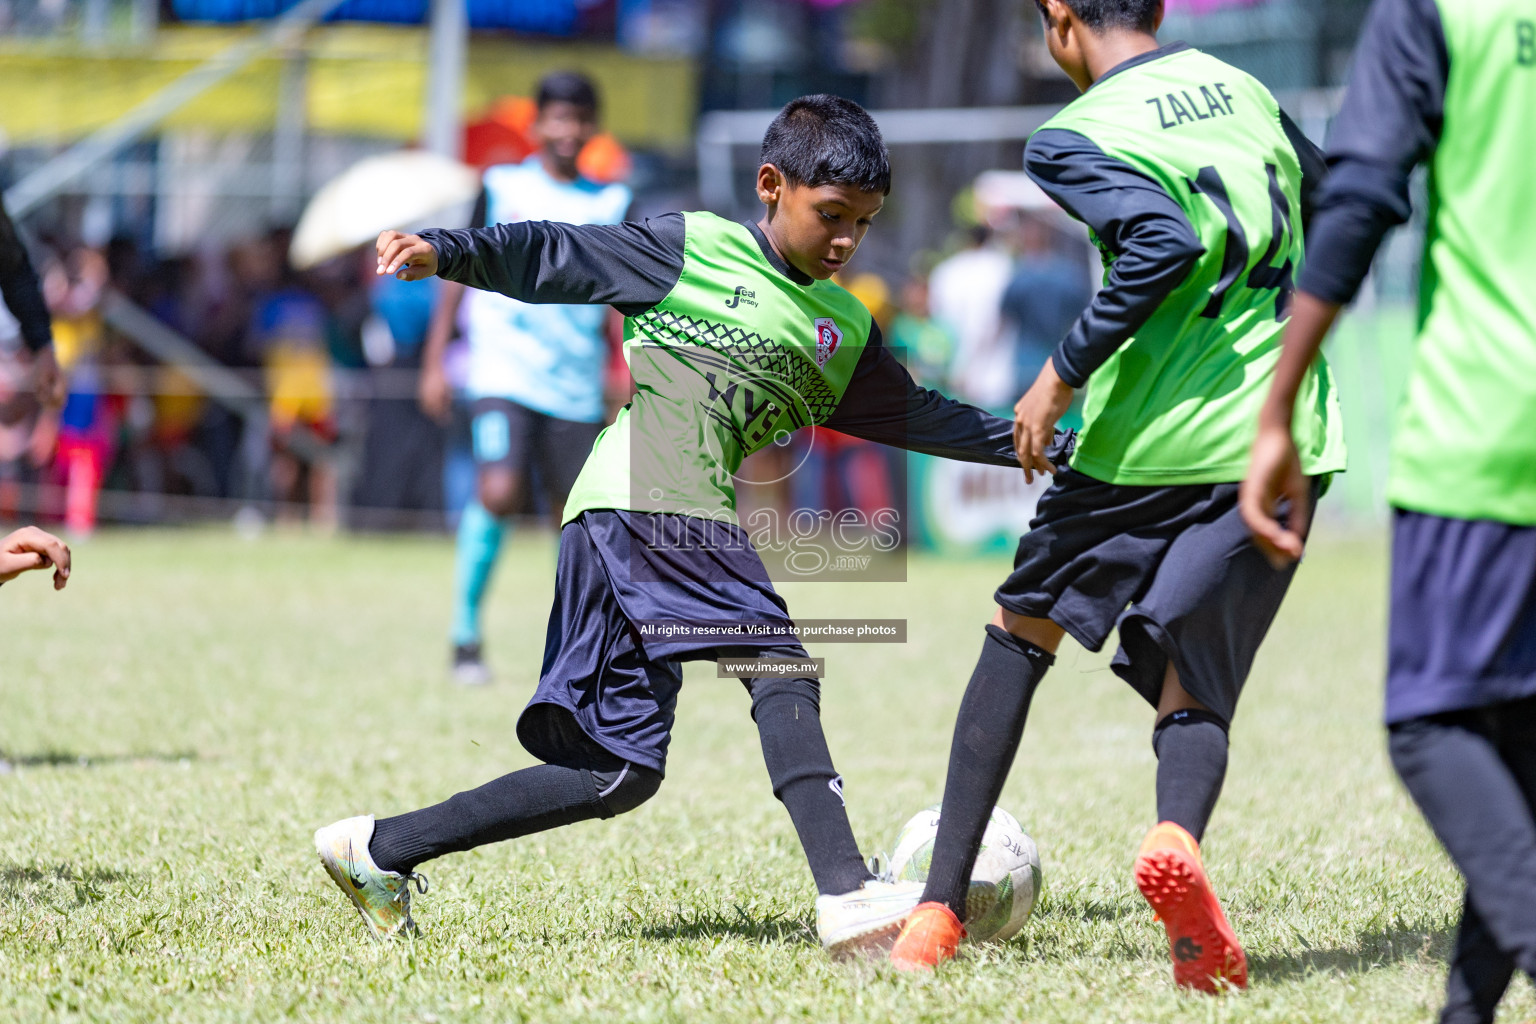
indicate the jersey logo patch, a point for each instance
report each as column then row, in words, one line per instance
column 828, row 337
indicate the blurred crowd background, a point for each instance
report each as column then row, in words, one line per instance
column 210, row 379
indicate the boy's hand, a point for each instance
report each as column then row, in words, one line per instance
column 47, row 378
column 1275, row 476
column 408, row 257
column 1035, row 417
column 30, row 548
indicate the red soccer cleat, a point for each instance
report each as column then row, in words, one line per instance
column 931, row 935
column 1206, row 953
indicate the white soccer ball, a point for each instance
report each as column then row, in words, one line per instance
column 1004, row 884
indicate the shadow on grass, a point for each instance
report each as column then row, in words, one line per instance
column 19, row 881
column 1369, row 951
column 1402, row 941
column 67, row 758
column 735, row 923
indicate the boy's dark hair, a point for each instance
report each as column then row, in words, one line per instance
column 827, row 140
column 1138, row 15
column 567, row 87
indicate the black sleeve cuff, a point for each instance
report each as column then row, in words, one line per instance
column 1360, row 203
column 1064, row 369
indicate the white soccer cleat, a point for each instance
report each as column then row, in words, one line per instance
column 867, row 920
column 382, row 898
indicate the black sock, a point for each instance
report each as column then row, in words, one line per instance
column 987, row 733
column 1191, row 749
column 542, row 797
column 1473, row 775
column 788, row 716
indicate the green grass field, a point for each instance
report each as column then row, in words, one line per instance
column 194, row 706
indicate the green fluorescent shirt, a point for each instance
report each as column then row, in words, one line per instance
column 1189, row 179
column 1465, row 443
column 1453, row 84
column 731, row 350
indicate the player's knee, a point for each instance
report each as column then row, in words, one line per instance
column 1186, row 718
column 498, row 493
column 623, row 789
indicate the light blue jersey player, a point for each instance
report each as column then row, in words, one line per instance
column 535, row 381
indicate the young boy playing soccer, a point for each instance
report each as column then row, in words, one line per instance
column 1454, row 85
column 735, row 338
column 1192, row 182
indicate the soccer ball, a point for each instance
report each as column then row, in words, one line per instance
column 1004, row 884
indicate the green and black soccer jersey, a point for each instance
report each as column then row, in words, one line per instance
column 1191, row 180
column 731, row 350
column 1453, row 84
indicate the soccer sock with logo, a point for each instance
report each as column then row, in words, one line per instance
column 1191, row 749
column 788, row 717
column 987, row 734
column 479, row 541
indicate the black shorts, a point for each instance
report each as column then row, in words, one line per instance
column 1174, row 568
column 605, row 681
column 515, row 437
column 1463, row 623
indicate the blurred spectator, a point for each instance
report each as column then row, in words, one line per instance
column 965, row 294
column 1047, row 294
column 923, row 343
column 403, row 447
column 289, row 335
column 536, row 371
column 82, row 436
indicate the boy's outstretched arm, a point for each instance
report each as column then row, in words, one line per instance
column 884, row 404
column 1389, row 123
column 24, row 298
column 630, row 266
column 1154, row 249
column 30, row 548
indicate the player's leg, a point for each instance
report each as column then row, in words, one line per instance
column 1461, row 673
column 1014, row 658
column 604, row 759
column 1187, row 646
column 855, row 912
column 1479, row 971
column 1473, row 775
column 594, row 784
column 499, row 431
column 1090, row 549
column 561, row 448
column 374, row 861
column 788, row 717
column 1190, row 743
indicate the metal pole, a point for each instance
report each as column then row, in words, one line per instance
column 288, row 136
column 57, row 174
column 447, row 53
column 93, row 22
column 146, row 19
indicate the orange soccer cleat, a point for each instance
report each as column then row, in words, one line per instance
column 931, row 935
column 1206, row 953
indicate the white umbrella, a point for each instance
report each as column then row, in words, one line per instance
column 395, row 190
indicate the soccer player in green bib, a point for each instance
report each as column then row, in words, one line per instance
column 735, row 338
column 1193, row 183
column 1453, row 85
